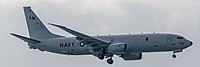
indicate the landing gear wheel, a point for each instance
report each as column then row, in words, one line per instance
column 174, row 56
column 100, row 56
column 110, row 61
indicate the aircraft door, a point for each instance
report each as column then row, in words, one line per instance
column 170, row 43
column 169, row 39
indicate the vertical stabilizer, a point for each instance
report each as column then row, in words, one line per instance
column 36, row 28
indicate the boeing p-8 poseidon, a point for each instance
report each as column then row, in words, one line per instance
column 128, row 47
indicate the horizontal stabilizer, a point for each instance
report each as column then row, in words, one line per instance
column 26, row 39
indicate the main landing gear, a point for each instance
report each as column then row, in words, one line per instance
column 110, row 61
column 101, row 56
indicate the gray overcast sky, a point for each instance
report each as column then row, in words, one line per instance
column 100, row 17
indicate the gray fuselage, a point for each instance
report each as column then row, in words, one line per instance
column 135, row 43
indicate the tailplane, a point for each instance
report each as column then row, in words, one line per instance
column 26, row 39
column 36, row 28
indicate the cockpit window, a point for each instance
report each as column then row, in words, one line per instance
column 179, row 37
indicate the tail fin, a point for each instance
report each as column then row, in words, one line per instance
column 36, row 28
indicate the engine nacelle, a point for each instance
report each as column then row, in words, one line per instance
column 135, row 56
column 117, row 48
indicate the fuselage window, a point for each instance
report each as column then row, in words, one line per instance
column 147, row 39
column 179, row 37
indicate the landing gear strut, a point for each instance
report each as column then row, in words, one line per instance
column 174, row 55
column 110, row 61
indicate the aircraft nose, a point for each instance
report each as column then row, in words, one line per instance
column 191, row 43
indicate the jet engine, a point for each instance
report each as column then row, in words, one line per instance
column 117, row 48
column 134, row 56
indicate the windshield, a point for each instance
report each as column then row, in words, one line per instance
column 180, row 37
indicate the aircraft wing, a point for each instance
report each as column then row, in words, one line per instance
column 88, row 40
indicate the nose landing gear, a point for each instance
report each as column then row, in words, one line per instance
column 176, row 51
column 174, row 55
